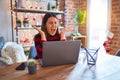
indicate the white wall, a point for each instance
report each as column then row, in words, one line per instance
column 5, row 20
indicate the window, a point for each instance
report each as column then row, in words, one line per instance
column 98, row 22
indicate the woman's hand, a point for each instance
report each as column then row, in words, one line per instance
column 43, row 37
column 63, row 32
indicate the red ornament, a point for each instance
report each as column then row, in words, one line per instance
column 106, row 45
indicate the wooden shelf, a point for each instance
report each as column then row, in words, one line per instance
column 25, row 28
column 36, row 11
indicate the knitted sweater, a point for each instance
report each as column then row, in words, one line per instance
column 39, row 43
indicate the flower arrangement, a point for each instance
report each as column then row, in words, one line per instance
column 26, row 23
column 25, row 20
column 18, row 23
column 79, row 18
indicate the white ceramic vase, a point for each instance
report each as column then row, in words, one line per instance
column 20, row 4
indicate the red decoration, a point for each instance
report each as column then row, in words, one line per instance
column 107, row 44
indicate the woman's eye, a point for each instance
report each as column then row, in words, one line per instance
column 49, row 22
column 52, row 23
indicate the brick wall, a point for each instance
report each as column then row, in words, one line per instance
column 115, row 26
column 71, row 6
column 83, row 6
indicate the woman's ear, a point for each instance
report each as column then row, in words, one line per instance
column 44, row 27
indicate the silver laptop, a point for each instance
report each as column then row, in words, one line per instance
column 60, row 52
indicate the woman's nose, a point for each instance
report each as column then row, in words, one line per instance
column 54, row 25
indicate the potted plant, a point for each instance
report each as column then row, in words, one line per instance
column 32, row 66
column 26, row 23
column 27, row 53
column 79, row 18
column 18, row 23
column 53, row 7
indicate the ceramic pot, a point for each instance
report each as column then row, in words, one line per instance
column 32, row 69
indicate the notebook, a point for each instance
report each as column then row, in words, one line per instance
column 60, row 52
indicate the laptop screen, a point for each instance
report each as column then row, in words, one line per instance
column 60, row 52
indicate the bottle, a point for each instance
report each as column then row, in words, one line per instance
column 20, row 4
column 48, row 6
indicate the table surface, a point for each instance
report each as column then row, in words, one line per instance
column 106, row 68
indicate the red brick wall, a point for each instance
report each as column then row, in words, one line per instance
column 83, row 28
column 71, row 6
column 115, row 26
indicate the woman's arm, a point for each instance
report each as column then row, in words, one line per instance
column 38, row 45
column 43, row 37
column 63, row 32
column 39, row 41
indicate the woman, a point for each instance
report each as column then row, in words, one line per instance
column 49, row 32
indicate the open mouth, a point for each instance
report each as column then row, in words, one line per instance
column 53, row 29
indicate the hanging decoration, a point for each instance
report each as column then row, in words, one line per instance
column 107, row 43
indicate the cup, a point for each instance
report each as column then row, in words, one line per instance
column 110, row 35
column 91, row 56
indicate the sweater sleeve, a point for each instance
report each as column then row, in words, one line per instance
column 39, row 46
column 63, row 40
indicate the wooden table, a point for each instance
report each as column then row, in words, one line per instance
column 43, row 73
column 107, row 68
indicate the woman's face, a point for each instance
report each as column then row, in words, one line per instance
column 51, row 25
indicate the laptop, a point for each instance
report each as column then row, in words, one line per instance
column 60, row 52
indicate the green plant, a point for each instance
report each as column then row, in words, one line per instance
column 31, row 62
column 32, row 67
column 27, row 53
column 25, row 21
column 53, row 7
column 18, row 21
column 79, row 17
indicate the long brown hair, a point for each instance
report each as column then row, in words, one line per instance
column 46, row 17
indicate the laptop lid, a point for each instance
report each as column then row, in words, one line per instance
column 60, row 52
